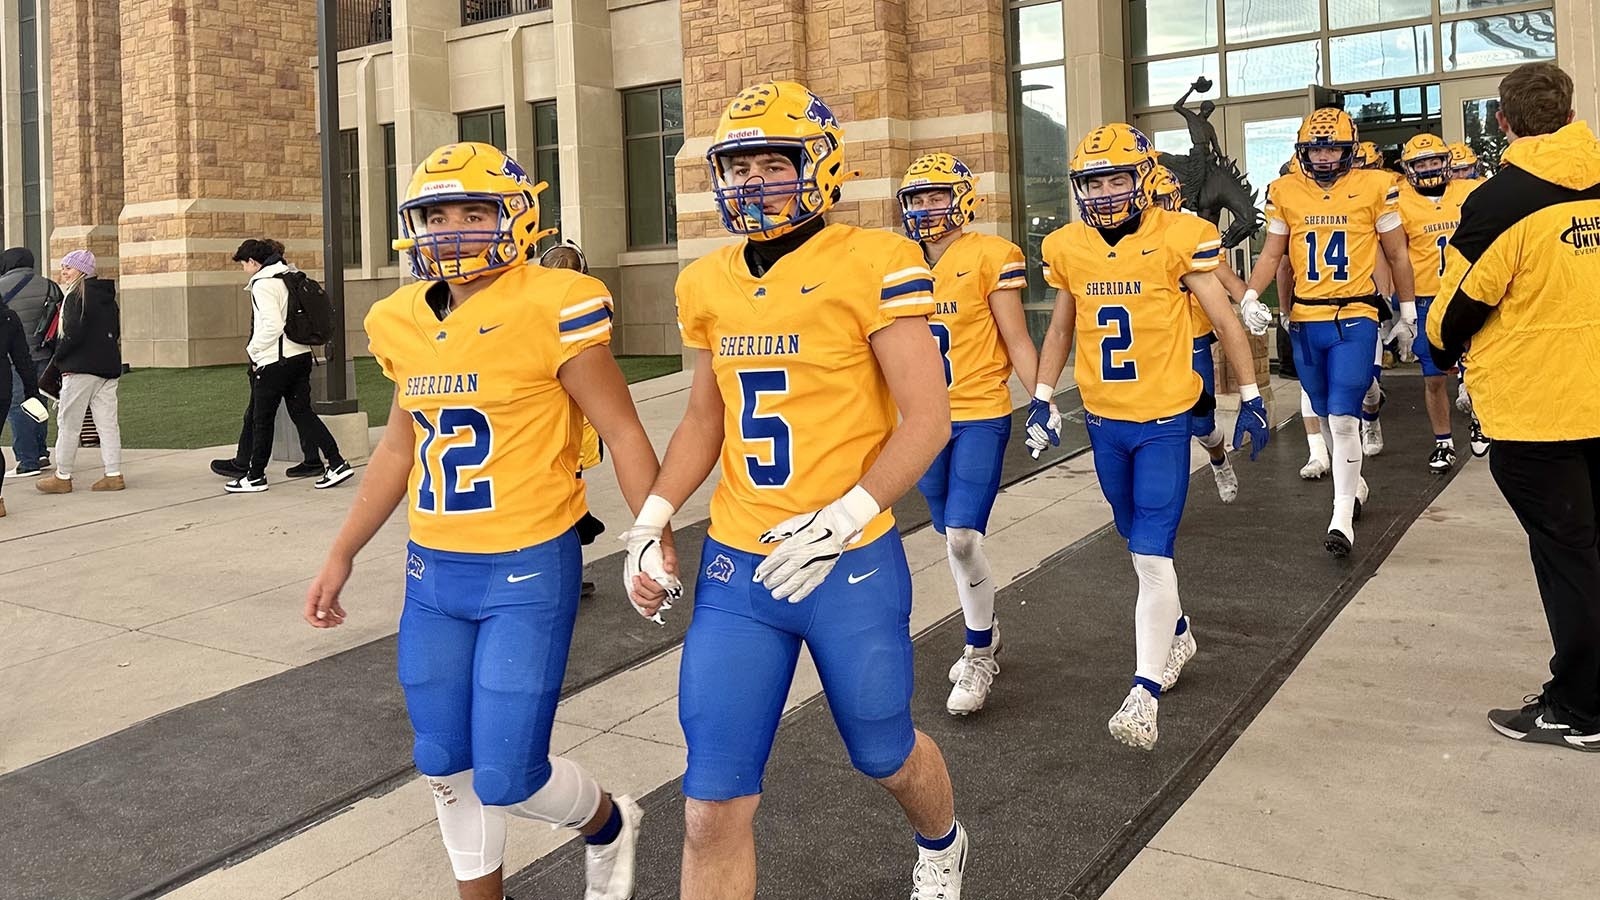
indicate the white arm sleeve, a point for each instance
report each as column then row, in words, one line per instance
column 1277, row 226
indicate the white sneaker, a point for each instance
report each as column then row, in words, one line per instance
column 937, row 876
column 1135, row 723
column 1371, row 437
column 335, row 475
column 978, row 669
column 246, row 485
column 1227, row 480
column 609, row 867
column 1183, row 647
column 1316, row 467
column 994, row 648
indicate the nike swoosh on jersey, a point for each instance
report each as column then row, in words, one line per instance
column 964, row 274
column 857, row 579
column 1148, row 252
column 807, row 290
column 483, row 330
column 515, row 579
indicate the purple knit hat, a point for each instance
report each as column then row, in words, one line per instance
column 82, row 260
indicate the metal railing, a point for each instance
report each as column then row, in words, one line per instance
column 485, row 10
column 363, row 22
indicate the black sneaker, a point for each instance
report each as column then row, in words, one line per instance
column 303, row 470
column 1442, row 459
column 335, row 475
column 1480, row 444
column 246, row 485
column 228, row 468
column 1536, row 723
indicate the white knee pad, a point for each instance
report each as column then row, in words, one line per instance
column 474, row 834
column 966, row 544
column 1213, row 440
column 1371, row 399
column 568, row 800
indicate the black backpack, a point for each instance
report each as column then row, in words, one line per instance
column 310, row 317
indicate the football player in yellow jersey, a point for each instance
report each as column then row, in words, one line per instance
column 1331, row 221
column 1464, row 164
column 1120, row 275
column 495, row 361
column 982, row 334
column 1430, row 210
column 1167, row 192
column 817, row 386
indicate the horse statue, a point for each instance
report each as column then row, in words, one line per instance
column 1212, row 182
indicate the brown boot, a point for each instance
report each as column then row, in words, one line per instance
column 109, row 483
column 2, row 508
column 50, row 484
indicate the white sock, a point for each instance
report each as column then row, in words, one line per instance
column 113, row 474
column 1317, row 446
column 474, row 834
column 974, row 581
column 1306, row 412
column 1213, row 440
column 1346, row 433
column 1155, row 616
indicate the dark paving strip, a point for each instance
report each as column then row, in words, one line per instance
column 1056, row 808
column 157, row 804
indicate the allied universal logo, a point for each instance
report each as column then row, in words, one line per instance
column 1584, row 235
column 720, row 569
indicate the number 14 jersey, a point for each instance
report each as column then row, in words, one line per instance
column 1132, row 329
column 807, row 409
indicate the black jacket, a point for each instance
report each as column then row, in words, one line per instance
column 91, row 326
column 14, row 356
column 29, row 292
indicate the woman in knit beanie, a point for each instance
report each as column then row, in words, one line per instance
column 89, row 356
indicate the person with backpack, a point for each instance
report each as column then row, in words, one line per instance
column 15, row 355
column 88, row 356
column 34, row 299
column 288, row 310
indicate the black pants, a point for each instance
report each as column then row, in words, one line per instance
column 1554, row 488
column 288, row 381
column 247, row 434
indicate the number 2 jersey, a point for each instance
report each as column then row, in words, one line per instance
column 1333, row 237
column 1429, row 222
column 497, row 436
column 807, row 407
column 1132, row 328
column 977, row 364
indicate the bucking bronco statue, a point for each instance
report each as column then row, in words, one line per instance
column 1212, row 182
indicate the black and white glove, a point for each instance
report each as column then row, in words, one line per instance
column 810, row 544
column 1257, row 317
column 644, row 556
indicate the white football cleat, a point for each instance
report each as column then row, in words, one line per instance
column 1227, row 480
column 1183, row 648
column 978, row 669
column 1371, row 437
column 994, row 648
column 937, row 875
column 1316, row 467
column 1135, row 723
column 609, row 867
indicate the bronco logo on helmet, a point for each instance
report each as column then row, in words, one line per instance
column 1327, row 128
column 461, row 174
column 1105, row 152
column 938, row 172
column 780, row 118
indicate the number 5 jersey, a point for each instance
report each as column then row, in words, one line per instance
column 497, row 436
column 807, row 407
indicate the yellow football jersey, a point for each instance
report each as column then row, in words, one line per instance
column 976, row 363
column 807, row 408
column 1429, row 222
column 1133, row 332
column 1333, row 237
column 497, row 437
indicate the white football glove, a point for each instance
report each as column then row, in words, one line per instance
column 1404, row 327
column 644, row 556
column 1039, row 437
column 1257, row 317
column 810, row 544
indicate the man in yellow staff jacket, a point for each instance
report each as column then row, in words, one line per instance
column 1520, row 297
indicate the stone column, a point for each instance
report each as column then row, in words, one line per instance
column 1097, row 71
column 220, row 144
column 589, row 110
column 86, row 80
column 423, row 118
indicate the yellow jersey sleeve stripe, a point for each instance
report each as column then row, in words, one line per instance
column 1209, row 245
column 921, row 299
column 1204, row 265
column 913, row 287
column 585, row 306
column 603, row 328
column 601, row 313
column 1012, row 272
column 903, row 274
column 1211, row 252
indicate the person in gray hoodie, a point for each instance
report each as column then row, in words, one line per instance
column 25, row 292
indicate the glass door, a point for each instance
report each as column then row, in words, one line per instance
column 1469, row 108
column 1260, row 137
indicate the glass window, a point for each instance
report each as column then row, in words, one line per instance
column 1171, row 140
column 28, row 51
column 1358, row 13
column 1162, row 82
column 1462, row 6
column 1278, row 67
column 1255, row 20
column 1376, row 55
column 1505, row 40
column 486, row 126
column 547, row 168
column 1481, row 132
column 1268, row 144
column 1172, row 26
column 1036, row 34
column 1040, row 97
column 349, row 151
column 653, row 132
column 391, row 195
